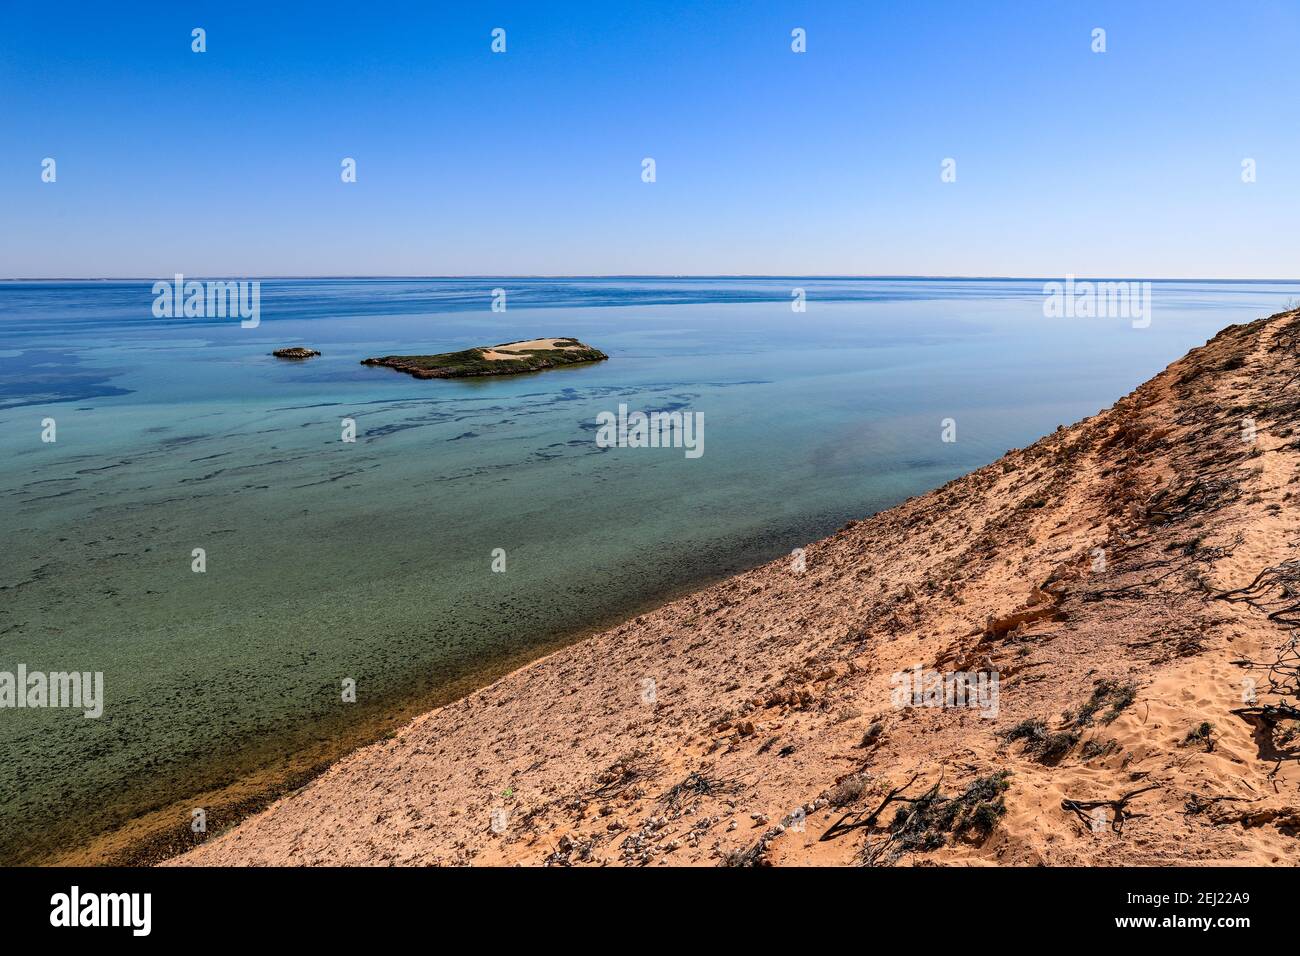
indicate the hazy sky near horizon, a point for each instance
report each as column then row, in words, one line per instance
column 1123, row 163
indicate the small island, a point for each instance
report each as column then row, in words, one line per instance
column 508, row 359
column 297, row 352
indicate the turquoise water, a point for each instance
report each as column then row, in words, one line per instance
column 373, row 560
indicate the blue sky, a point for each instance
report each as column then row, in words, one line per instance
column 1126, row 163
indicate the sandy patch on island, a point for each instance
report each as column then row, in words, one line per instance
column 512, row 350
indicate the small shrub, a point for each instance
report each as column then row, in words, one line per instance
column 1098, row 748
column 847, row 791
column 1285, row 731
column 1043, row 745
column 927, row 822
column 1202, row 735
column 1057, row 745
column 1105, row 693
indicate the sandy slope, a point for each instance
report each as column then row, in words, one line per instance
column 772, row 689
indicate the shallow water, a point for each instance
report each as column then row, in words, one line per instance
column 372, row 560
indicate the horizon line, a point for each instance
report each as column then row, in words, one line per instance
column 666, row 275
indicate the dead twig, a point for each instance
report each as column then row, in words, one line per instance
column 1119, row 805
column 839, row 827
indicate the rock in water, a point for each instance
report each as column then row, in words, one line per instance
column 297, row 352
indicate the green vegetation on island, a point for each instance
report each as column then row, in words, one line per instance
column 509, row 358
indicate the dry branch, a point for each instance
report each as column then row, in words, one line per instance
column 1119, row 805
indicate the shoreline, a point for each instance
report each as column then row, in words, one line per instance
column 163, row 833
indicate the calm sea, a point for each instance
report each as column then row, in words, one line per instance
column 372, row 561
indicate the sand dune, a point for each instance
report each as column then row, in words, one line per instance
column 1088, row 572
column 513, row 349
